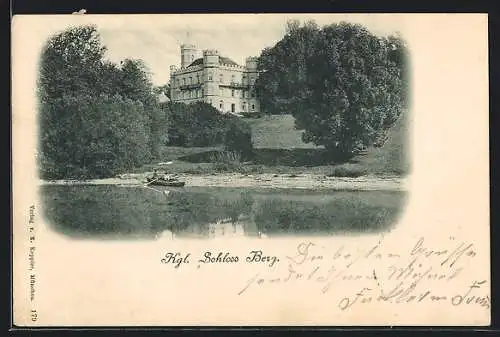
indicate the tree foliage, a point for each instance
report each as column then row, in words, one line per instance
column 200, row 124
column 135, row 81
column 238, row 138
column 196, row 124
column 72, row 62
column 96, row 118
column 92, row 137
column 345, row 86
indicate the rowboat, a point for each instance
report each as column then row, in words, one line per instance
column 163, row 182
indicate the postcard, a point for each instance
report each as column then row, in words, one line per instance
column 250, row 170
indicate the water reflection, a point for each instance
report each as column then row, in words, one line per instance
column 107, row 211
column 227, row 228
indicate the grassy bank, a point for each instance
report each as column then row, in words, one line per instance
column 279, row 149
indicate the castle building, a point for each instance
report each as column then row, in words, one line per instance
column 216, row 80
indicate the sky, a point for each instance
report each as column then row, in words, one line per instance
column 156, row 38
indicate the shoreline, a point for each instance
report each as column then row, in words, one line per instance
column 285, row 181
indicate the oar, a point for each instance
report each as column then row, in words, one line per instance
column 152, row 181
column 166, row 192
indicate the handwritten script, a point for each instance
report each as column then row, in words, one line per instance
column 359, row 275
column 420, row 274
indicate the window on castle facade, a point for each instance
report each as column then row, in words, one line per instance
column 244, row 106
column 253, row 106
column 184, row 81
column 221, row 105
column 233, row 80
column 210, row 76
column 232, row 93
column 221, row 78
column 253, row 94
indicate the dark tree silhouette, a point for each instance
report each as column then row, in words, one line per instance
column 345, row 86
column 95, row 117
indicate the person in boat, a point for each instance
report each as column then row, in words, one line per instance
column 155, row 176
column 166, row 176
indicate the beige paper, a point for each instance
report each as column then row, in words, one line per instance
column 344, row 279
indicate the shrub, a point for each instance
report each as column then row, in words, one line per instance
column 238, row 138
column 197, row 124
column 251, row 169
column 247, row 114
column 225, row 157
column 226, row 161
column 347, row 171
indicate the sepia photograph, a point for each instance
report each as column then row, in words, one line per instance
column 299, row 128
column 185, row 169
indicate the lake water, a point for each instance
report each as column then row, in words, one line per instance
column 117, row 212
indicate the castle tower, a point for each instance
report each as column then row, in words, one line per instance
column 211, row 58
column 252, row 73
column 188, row 54
column 210, row 76
column 251, row 69
column 173, row 85
column 251, row 64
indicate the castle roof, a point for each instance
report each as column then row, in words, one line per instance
column 227, row 60
column 222, row 60
column 196, row 62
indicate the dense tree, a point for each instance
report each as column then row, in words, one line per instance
column 135, row 83
column 200, row 124
column 94, row 137
column 196, row 124
column 72, row 62
column 238, row 138
column 345, row 86
column 95, row 117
